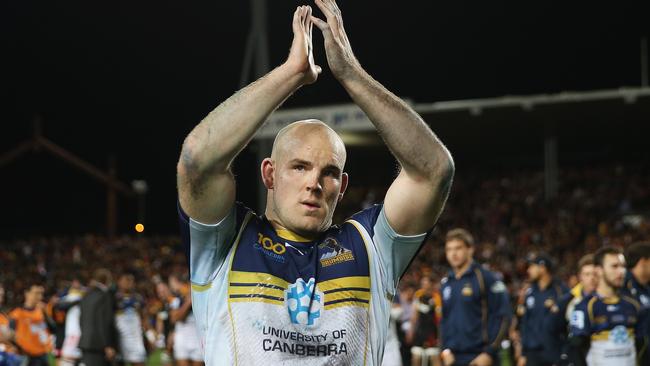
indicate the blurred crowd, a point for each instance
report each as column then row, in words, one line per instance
column 508, row 213
column 96, row 301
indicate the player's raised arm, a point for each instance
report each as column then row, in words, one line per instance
column 417, row 196
column 206, row 187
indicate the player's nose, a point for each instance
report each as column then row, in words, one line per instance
column 314, row 182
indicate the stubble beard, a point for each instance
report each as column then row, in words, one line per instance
column 611, row 284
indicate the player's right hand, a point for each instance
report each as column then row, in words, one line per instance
column 338, row 50
column 109, row 353
column 521, row 361
column 301, row 57
column 448, row 358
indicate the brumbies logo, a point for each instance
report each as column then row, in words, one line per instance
column 333, row 253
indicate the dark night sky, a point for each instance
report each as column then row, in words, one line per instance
column 133, row 77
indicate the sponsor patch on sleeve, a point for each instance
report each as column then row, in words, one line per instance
column 498, row 287
column 578, row 319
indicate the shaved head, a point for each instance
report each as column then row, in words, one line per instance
column 298, row 132
column 304, row 177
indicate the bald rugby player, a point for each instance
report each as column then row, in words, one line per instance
column 288, row 287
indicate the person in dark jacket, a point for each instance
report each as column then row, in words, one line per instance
column 539, row 346
column 476, row 308
column 98, row 334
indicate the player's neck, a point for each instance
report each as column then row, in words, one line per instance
column 604, row 290
column 286, row 232
column 544, row 281
column 460, row 271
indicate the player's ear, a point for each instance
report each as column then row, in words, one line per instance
column 267, row 169
column 344, row 185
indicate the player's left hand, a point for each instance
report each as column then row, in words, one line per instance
column 447, row 357
column 340, row 57
column 301, row 56
column 109, row 353
column 482, row 359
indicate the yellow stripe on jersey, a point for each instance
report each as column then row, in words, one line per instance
column 347, row 303
column 249, row 214
column 290, row 235
column 256, row 278
column 604, row 335
column 201, row 288
column 339, row 295
column 361, row 231
column 590, row 309
column 360, row 282
column 256, row 290
column 256, row 287
column 258, row 299
column 346, row 291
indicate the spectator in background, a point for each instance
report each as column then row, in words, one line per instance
column 475, row 306
column 606, row 326
column 539, row 347
column 69, row 302
column 423, row 334
column 98, row 334
column 6, row 334
column 406, row 299
column 8, row 356
column 30, row 326
column 559, row 325
column 128, row 319
column 392, row 352
column 187, row 347
column 163, row 325
column 637, row 286
column 53, row 312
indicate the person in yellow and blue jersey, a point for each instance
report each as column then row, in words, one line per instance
column 288, row 287
column 607, row 327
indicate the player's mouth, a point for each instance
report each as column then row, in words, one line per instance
column 310, row 205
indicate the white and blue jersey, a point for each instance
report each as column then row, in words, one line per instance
column 129, row 327
column 611, row 325
column 267, row 297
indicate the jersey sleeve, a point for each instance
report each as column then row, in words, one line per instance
column 393, row 251
column 499, row 311
column 174, row 303
column 207, row 246
column 642, row 327
column 579, row 323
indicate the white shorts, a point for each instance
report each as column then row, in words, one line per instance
column 187, row 350
column 133, row 350
column 70, row 348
